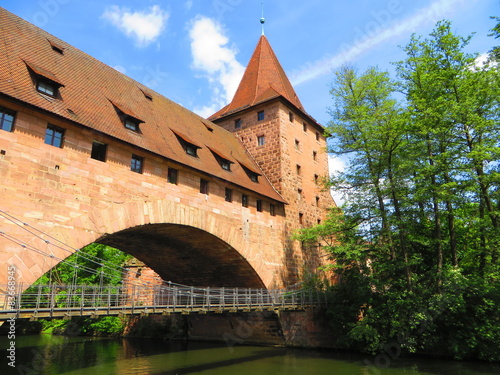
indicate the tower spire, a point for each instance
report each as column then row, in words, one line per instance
column 262, row 19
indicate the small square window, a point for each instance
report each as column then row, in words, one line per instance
column 172, row 175
column 244, row 200
column 261, row 140
column 99, row 151
column 203, row 186
column 228, row 196
column 259, row 205
column 225, row 164
column 254, row 177
column 54, row 136
column 260, row 115
column 131, row 124
column 6, row 119
column 237, row 123
column 46, row 87
column 191, row 149
column 272, row 210
column 136, row 164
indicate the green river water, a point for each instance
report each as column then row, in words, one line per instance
column 46, row 354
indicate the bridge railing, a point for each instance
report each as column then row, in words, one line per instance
column 172, row 296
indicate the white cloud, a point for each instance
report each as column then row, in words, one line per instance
column 142, row 26
column 213, row 56
column 378, row 30
column 120, row 68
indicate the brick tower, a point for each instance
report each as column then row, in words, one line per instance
column 288, row 145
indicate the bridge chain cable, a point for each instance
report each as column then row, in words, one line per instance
column 96, row 260
column 101, row 262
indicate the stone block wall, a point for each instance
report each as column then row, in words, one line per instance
column 72, row 198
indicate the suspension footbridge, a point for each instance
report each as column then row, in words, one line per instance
column 66, row 301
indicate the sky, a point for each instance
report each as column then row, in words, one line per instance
column 194, row 52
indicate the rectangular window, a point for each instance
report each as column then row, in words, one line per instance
column 259, row 205
column 317, row 201
column 54, row 136
column 191, row 149
column 316, row 178
column 301, row 218
column 261, row 140
column 244, row 200
column 260, row 116
column 290, row 116
column 317, row 136
column 131, row 124
column 6, row 119
column 315, row 155
column 272, row 210
column 99, row 151
column 46, row 87
column 299, row 169
column 225, row 164
column 136, row 164
column 304, row 126
column 297, row 144
column 203, row 186
column 172, row 175
column 229, row 195
column 237, row 123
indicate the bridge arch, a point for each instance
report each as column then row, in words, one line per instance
column 241, row 252
column 186, row 255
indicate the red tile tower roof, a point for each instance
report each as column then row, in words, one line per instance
column 264, row 79
column 90, row 92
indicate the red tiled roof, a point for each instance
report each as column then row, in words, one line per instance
column 264, row 79
column 90, row 88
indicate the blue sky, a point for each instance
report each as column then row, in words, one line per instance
column 195, row 51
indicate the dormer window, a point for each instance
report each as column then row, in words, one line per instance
column 131, row 123
column 56, row 47
column 46, row 87
column 129, row 119
column 189, row 146
column 45, row 81
column 147, row 95
column 191, row 149
column 225, row 164
column 224, row 161
column 252, row 173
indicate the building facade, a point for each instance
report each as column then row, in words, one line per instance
column 88, row 154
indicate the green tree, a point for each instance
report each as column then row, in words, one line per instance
column 415, row 248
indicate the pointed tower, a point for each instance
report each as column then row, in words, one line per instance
column 289, row 146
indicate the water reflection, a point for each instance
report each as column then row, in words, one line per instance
column 45, row 354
